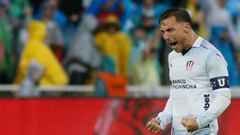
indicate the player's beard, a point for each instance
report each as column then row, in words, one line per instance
column 176, row 47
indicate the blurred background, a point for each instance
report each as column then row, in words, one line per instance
column 93, row 49
column 102, row 48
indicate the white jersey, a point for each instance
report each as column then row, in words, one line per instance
column 199, row 88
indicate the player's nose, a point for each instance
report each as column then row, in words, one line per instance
column 166, row 37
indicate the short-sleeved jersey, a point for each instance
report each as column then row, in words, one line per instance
column 194, row 77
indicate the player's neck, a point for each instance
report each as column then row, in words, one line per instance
column 190, row 41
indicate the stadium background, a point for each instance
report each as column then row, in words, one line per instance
column 61, row 84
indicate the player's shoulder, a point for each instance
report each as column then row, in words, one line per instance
column 209, row 49
column 210, row 53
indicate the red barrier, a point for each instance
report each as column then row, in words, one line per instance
column 230, row 119
column 91, row 116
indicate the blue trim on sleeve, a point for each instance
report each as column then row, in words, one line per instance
column 220, row 82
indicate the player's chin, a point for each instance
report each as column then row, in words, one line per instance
column 177, row 50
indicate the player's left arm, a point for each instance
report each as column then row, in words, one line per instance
column 216, row 67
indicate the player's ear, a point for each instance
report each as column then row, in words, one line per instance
column 187, row 27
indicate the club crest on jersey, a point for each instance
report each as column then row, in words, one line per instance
column 189, row 65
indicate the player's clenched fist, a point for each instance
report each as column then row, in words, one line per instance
column 153, row 125
column 190, row 124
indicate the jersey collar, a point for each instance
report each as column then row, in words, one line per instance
column 197, row 42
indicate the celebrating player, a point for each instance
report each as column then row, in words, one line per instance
column 199, row 79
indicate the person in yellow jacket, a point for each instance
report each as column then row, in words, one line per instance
column 114, row 43
column 194, row 8
column 35, row 49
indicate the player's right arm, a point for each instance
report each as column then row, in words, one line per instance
column 165, row 117
column 162, row 120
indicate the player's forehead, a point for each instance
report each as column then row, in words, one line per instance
column 168, row 23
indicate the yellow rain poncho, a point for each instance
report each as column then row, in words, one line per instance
column 37, row 50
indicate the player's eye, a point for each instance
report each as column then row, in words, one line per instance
column 169, row 30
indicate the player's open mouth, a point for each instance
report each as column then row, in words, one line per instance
column 173, row 44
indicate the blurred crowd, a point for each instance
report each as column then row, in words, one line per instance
column 105, row 43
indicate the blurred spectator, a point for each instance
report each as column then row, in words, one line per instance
column 149, row 26
column 20, row 13
column 112, row 42
column 163, row 52
column 73, row 10
column 29, row 85
column 148, row 9
column 57, row 15
column 82, row 57
column 20, row 10
column 36, row 50
column 223, row 36
column 144, row 61
column 147, row 68
column 54, row 39
column 144, row 66
column 6, row 52
column 196, row 13
column 233, row 6
column 108, row 83
column 215, row 13
column 139, row 41
column 103, row 8
column 21, row 40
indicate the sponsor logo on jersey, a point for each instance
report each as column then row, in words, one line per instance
column 206, row 100
column 189, row 65
column 182, row 84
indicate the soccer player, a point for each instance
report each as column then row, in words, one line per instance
column 199, row 91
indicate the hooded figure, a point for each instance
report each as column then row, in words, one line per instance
column 83, row 54
column 36, row 50
column 114, row 43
